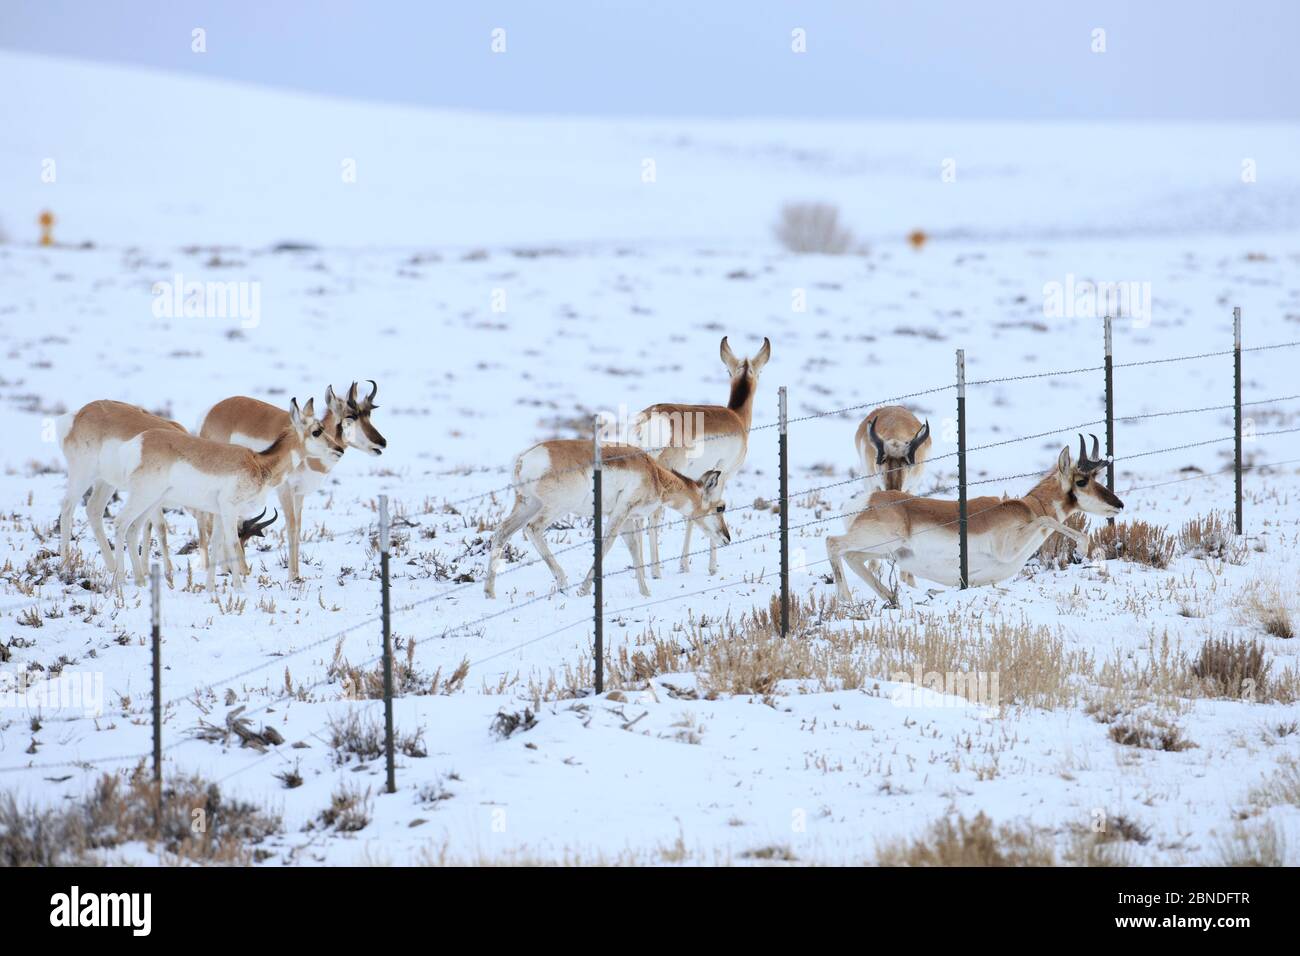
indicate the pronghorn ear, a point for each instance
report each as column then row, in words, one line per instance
column 1063, row 463
column 763, row 355
column 309, row 410
column 295, row 415
column 331, row 400
column 709, row 480
column 728, row 357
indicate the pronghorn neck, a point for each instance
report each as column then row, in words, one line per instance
column 281, row 457
column 742, row 397
column 677, row 491
column 1046, row 499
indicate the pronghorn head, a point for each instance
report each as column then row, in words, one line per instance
column 254, row 527
column 316, row 441
column 354, row 413
column 895, row 456
column 1080, row 484
column 744, row 372
column 710, row 509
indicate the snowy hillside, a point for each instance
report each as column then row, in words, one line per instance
column 502, row 280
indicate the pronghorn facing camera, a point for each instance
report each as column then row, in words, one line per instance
column 893, row 446
column 89, row 437
column 255, row 424
column 920, row 535
column 206, row 476
column 697, row 439
column 554, row 478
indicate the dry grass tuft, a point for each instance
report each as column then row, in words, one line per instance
column 1264, row 604
column 352, row 736
column 1149, row 731
column 974, row 842
column 813, row 227
column 1232, row 669
column 197, row 824
column 1134, row 541
column 1058, row 551
column 1212, row 536
column 1261, row 845
column 408, row 680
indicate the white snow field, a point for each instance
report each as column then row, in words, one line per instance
column 504, row 279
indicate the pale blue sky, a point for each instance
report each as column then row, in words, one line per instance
column 959, row 59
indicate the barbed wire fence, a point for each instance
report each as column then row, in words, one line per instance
column 603, row 538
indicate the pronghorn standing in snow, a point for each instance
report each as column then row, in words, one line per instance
column 893, row 446
column 254, row 424
column 697, row 439
column 920, row 534
column 554, row 478
column 167, row 465
column 89, row 437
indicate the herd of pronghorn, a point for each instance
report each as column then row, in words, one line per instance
column 245, row 448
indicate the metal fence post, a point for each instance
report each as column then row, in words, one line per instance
column 1110, row 413
column 784, row 453
column 388, row 644
column 156, row 597
column 1236, row 402
column 598, row 567
column 961, row 463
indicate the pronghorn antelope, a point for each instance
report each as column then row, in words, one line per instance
column 893, row 446
column 166, row 465
column 89, row 437
column 920, row 534
column 255, row 424
column 554, row 478
column 696, row 439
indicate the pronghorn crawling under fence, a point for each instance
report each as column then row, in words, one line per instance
column 920, row 534
column 696, row 439
column 168, row 466
column 554, row 478
column 254, row 424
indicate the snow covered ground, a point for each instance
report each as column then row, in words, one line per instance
column 495, row 310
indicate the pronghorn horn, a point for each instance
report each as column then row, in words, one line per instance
column 1095, row 455
column 252, row 527
column 374, row 390
column 352, row 395
column 877, row 441
column 919, row 439
column 1085, row 463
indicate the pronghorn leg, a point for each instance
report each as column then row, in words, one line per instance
column 905, row 576
column 1046, row 522
column 128, row 526
column 214, row 555
column 229, row 524
column 686, row 547
column 535, row 531
column 296, row 506
column 616, row 521
column 95, row 518
column 163, row 546
column 286, row 496
column 79, row 480
column 867, row 570
column 522, row 513
column 656, row 568
column 632, row 538
column 203, row 522
column 834, row 546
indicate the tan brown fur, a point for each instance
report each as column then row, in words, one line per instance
column 896, row 427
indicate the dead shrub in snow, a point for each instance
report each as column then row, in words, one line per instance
column 974, row 842
column 1280, row 789
column 1261, row 845
column 198, row 824
column 1149, row 731
column 348, row 812
column 408, row 680
column 813, row 227
column 503, row 724
column 352, row 736
column 1232, row 669
column 1211, row 536
column 1264, row 603
column 1134, row 541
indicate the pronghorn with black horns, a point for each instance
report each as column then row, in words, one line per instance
column 554, row 479
column 696, row 439
column 169, row 466
column 254, row 424
column 893, row 446
column 920, row 535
